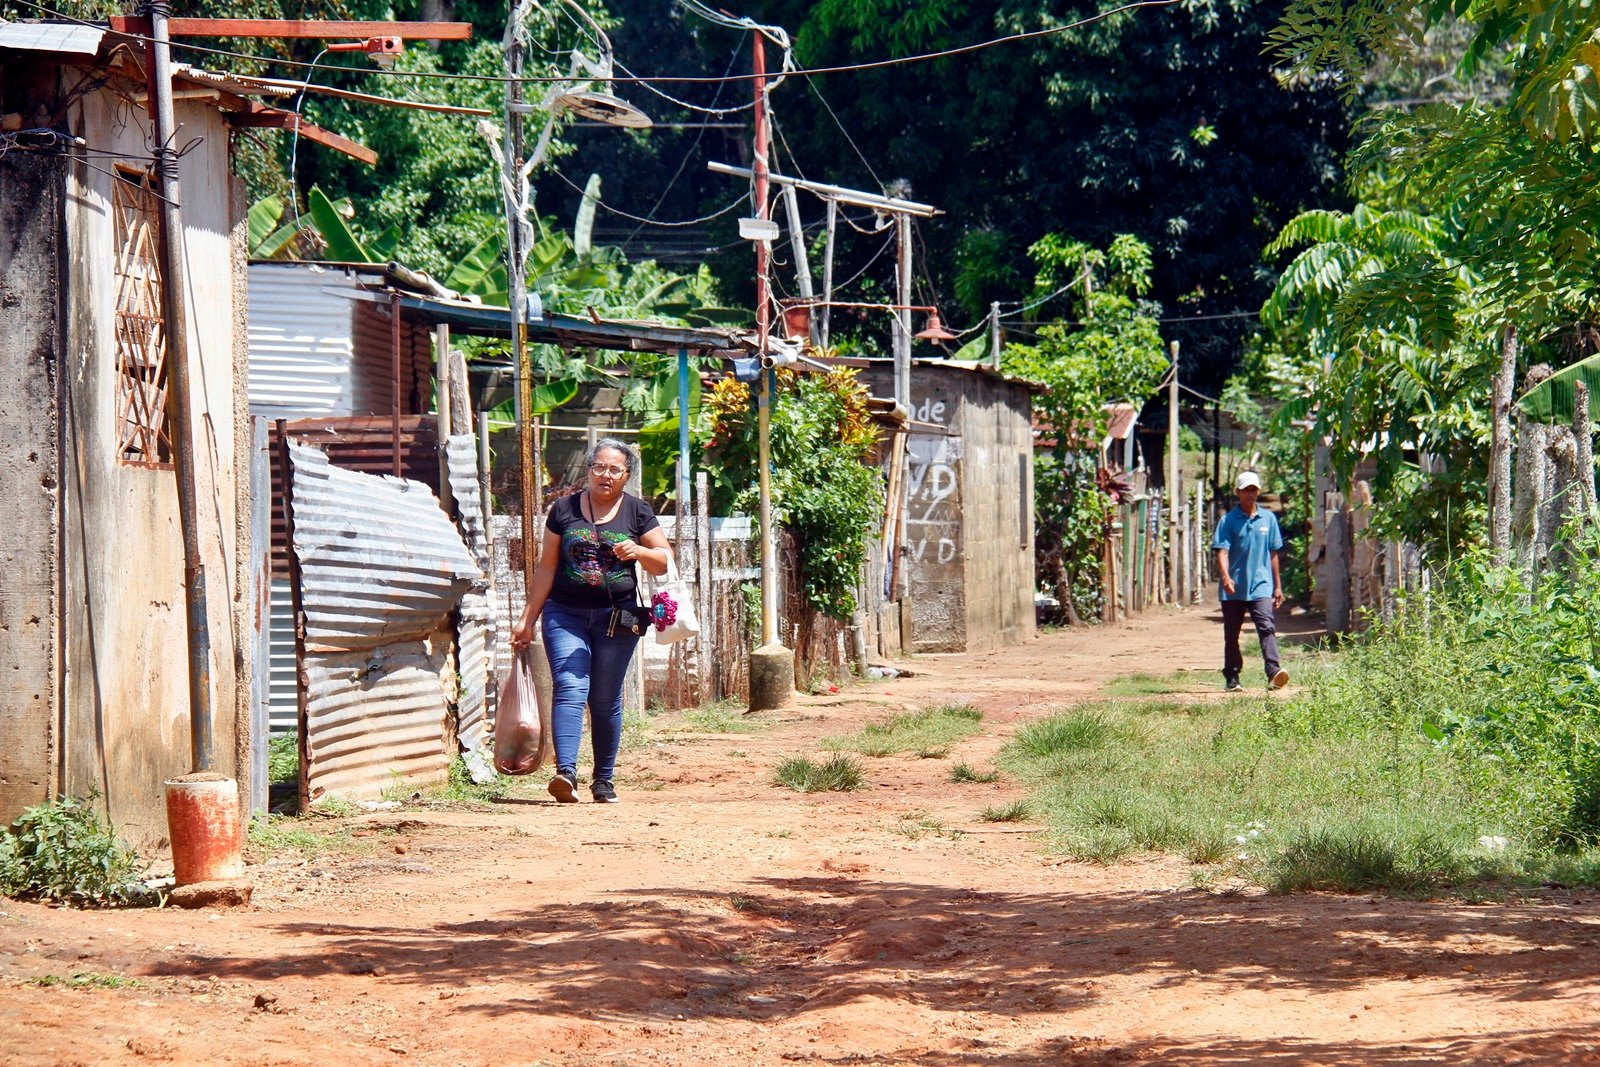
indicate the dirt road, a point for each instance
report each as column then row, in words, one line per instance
column 713, row 918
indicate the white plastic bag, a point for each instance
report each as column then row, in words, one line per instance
column 521, row 723
column 671, row 605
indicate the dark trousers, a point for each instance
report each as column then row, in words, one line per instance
column 1233, row 612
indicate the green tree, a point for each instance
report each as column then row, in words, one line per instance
column 1112, row 352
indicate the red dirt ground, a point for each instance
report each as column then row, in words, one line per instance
column 713, row 918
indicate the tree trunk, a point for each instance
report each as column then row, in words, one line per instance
column 1500, row 451
column 1583, row 447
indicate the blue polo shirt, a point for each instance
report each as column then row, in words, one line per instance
column 1250, row 540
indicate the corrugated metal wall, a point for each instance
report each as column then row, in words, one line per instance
column 300, row 341
column 381, row 570
column 372, row 356
column 475, row 621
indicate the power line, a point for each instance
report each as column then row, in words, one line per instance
column 632, row 79
column 653, row 221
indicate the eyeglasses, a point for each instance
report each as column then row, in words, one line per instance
column 601, row 468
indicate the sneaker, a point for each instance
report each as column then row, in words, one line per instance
column 564, row 787
column 1232, row 685
column 604, row 792
column 1280, row 679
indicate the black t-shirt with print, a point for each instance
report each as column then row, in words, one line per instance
column 588, row 574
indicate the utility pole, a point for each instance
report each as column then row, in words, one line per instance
column 1174, row 559
column 902, row 316
column 994, row 334
column 771, row 665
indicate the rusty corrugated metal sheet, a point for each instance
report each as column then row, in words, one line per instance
column 372, row 362
column 379, row 560
column 381, row 569
column 375, row 718
column 475, row 620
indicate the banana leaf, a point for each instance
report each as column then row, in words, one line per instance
column 343, row 245
column 263, row 219
column 482, row 271
column 1552, row 400
column 583, row 227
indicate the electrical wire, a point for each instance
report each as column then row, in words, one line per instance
column 681, row 79
column 653, row 222
column 294, row 147
column 811, row 84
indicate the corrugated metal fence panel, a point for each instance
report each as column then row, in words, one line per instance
column 375, row 718
column 379, row 560
column 381, row 569
column 299, row 338
column 475, row 621
column 358, row 443
column 283, row 692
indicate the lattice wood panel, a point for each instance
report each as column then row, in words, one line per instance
column 141, row 335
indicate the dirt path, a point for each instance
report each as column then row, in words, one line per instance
column 712, row 918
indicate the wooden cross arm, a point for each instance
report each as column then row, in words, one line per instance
column 276, row 118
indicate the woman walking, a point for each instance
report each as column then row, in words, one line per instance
column 585, row 589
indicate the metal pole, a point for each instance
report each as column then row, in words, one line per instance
column 827, row 272
column 994, row 334
column 683, row 438
column 797, row 242
column 902, row 317
column 1172, row 481
column 517, row 297
column 179, row 408
column 394, row 391
column 441, row 387
column 769, row 561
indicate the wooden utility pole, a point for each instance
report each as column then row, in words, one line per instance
column 1179, row 586
column 1500, row 450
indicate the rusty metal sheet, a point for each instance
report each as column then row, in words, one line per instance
column 375, row 720
column 380, row 562
column 381, row 570
column 475, row 620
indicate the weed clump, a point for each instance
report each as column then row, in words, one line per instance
column 962, row 772
column 838, row 774
column 927, row 733
column 60, row 852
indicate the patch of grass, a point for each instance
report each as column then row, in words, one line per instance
column 1255, row 792
column 928, row 732
column 838, row 774
column 722, row 717
column 283, row 760
column 275, row 834
column 961, row 772
column 87, row 980
column 1016, row 811
column 919, row 824
column 1134, row 685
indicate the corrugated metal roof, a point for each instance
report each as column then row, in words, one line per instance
column 69, row 38
column 300, row 341
column 283, row 697
column 379, row 560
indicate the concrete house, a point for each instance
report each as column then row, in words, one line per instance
column 93, row 645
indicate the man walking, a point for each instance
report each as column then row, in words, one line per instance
column 1248, row 544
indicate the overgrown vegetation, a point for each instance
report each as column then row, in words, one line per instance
column 963, row 772
column 61, row 852
column 838, row 774
column 823, row 492
column 928, row 733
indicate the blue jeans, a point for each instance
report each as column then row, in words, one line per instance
column 588, row 667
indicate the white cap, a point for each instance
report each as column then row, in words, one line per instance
column 1248, row 480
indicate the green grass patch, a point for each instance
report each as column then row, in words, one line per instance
column 722, row 717
column 919, row 824
column 928, row 733
column 283, row 760
column 962, row 772
column 1255, row 791
column 277, row 834
column 1016, row 811
column 87, row 980
column 837, row 774
column 1134, row 685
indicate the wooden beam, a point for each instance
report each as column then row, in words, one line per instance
column 260, row 115
column 313, row 29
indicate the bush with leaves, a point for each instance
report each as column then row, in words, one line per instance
column 1108, row 351
column 60, row 852
column 823, row 492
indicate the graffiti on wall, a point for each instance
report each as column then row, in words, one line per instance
column 933, row 486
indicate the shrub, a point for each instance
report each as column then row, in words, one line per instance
column 60, row 852
column 840, row 774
